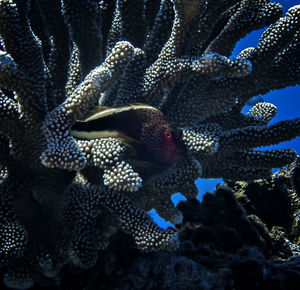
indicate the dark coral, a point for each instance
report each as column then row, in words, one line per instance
column 226, row 243
column 62, row 198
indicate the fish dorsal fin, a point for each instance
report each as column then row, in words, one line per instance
column 99, row 112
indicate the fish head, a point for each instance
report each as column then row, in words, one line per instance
column 163, row 141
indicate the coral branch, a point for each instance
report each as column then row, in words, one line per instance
column 62, row 151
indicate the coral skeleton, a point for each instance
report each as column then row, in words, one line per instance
column 172, row 97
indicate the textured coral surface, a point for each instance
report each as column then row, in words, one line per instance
column 108, row 108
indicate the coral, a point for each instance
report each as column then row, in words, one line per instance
column 227, row 241
column 173, row 99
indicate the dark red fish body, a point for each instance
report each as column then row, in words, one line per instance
column 158, row 136
column 143, row 127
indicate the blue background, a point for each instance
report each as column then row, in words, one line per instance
column 286, row 100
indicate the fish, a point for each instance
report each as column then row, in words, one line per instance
column 140, row 126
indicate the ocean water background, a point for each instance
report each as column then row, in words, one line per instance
column 286, row 100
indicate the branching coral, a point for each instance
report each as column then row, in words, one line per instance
column 247, row 236
column 63, row 196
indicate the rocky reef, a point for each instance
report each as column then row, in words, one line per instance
column 108, row 108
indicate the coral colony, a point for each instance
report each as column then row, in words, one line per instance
column 107, row 108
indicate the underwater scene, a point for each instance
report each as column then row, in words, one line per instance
column 149, row 144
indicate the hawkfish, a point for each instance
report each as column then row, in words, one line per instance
column 139, row 125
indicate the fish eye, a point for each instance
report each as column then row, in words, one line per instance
column 168, row 134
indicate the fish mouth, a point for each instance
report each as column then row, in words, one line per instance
column 179, row 156
column 175, row 155
column 179, row 153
